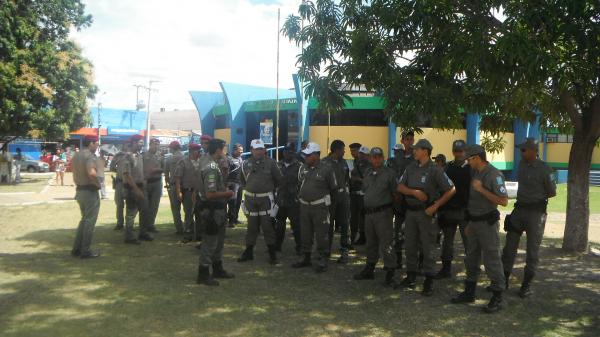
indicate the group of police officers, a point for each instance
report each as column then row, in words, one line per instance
column 394, row 206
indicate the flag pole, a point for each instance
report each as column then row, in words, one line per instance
column 277, row 95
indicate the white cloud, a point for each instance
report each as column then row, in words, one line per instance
column 186, row 45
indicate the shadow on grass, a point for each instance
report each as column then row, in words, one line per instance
column 149, row 290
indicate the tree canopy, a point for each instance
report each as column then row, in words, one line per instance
column 44, row 79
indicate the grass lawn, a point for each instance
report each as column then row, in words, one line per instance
column 558, row 204
column 150, row 290
column 29, row 183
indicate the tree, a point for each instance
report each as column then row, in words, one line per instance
column 505, row 59
column 44, row 79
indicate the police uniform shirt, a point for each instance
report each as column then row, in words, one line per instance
column 460, row 174
column 340, row 169
column 316, row 182
column 260, row 175
column 235, row 169
column 492, row 180
column 187, row 171
column 211, row 180
column 288, row 190
column 81, row 163
column 428, row 178
column 358, row 173
column 536, row 182
column 171, row 164
column 152, row 161
column 400, row 163
column 133, row 164
column 114, row 163
column 379, row 186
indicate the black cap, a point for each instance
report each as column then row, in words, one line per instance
column 459, row 145
column 376, row 151
column 474, row 150
column 529, row 144
column 423, row 144
column 440, row 157
column 355, row 145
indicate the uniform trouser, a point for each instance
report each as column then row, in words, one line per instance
column 291, row 212
column 120, row 202
column 399, row 216
column 357, row 216
column 260, row 206
column 232, row 204
column 211, row 250
column 175, row 208
column 452, row 219
column 379, row 229
column 89, row 205
column 484, row 241
column 420, row 231
column 153, row 195
column 190, row 227
column 339, row 214
column 314, row 224
column 533, row 223
column 133, row 205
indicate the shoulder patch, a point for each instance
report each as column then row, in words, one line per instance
column 499, row 180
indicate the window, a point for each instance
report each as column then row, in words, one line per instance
column 558, row 138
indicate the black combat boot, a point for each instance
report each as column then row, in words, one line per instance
column 427, row 286
column 247, row 255
column 445, row 272
column 467, row 296
column 495, row 303
column 409, row 281
column 272, row 255
column 305, row 262
column 389, row 277
column 205, row 278
column 219, row 272
column 525, row 291
column 368, row 272
column 362, row 239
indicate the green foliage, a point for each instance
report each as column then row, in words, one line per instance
column 44, row 79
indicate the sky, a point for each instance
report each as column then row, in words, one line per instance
column 185, row 45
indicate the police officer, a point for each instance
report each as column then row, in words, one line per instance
column 84, row 176
column 186, row 180
column 118, row 186
column 440, row 160
column 132, row 170
column 379, row 185
column 357, row 217
column 260, row 178
column 340, row 201
column 317, row 183
column 287, row 198
column 536, row 186
column 453, row 213
column 170, row 167
column 422, row 183
column 487, row 191
column 153, row 169
column 213, row 200
column 233, row 183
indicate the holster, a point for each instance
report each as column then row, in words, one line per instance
column 509, row 226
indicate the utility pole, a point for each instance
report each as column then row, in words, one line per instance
column 277, row 95
column 99, row 111
column 138, row 105
column 149, row 88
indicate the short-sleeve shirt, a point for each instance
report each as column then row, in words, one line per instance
column 171, row 165
column 358, row 174
column 340, row 169
column 428, row 178
column 379, row 186
column 211, row 180
column 492, row 180
column 536, row 182
column 133, row 164
column 82, row 162
column 316, row 182
column 288, row 190
column 260, row 175
column 187, row 170
column 152, row 161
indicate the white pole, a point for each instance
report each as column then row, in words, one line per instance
column 147, row 145
column 301, row 83
column 277, row 95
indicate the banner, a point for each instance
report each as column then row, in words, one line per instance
column 266, row 132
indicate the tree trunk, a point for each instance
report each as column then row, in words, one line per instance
column 578, row 188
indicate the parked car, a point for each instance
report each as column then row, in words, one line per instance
column 33, row 165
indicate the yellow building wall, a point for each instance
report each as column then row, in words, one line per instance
column 558, row 154
column 369, row 136
column 508, row 153
column 224, row 134
column 440, row 139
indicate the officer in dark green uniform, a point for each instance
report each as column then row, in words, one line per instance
column 213, row 200
column 486, row 193
column 340, row 201
column 287, row 197
column 357, row 216
column 84, row 176
column 379, row 185
column 118, row 186
column 186, row 180
column 453, row 213
column 317, row 183
column 260, row 178
column 170, row 166
column 153, row 169
column 132, row 170
column 536, row 186
column 422, row 183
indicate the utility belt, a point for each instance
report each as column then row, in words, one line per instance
column 271, row 212
column 92, row 188
column 153, row 180
column 533, row 206
column 211, row 205
column 326, row 200
column 371, row 210
column 187, row 189
column 258, row 195
column 490, row 217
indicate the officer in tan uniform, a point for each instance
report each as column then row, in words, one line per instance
column 170, row 166
column 153, row 169
column 186, row 180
